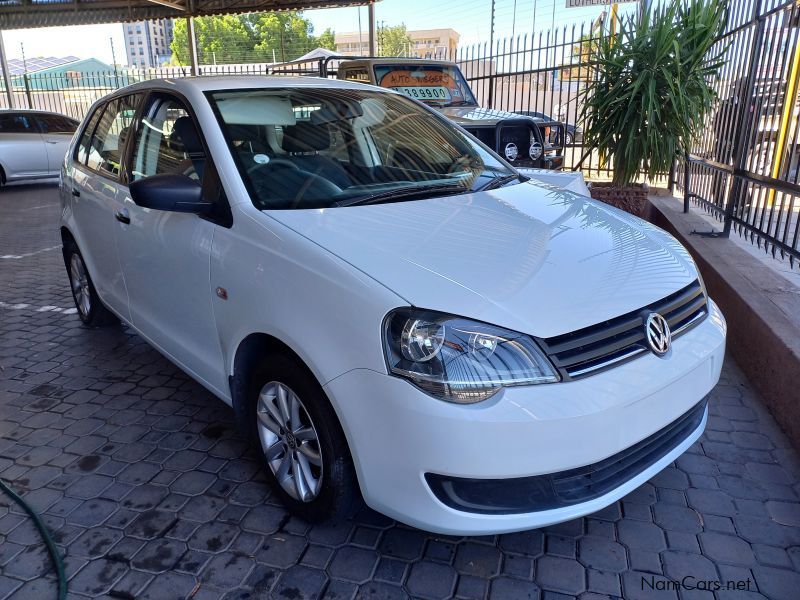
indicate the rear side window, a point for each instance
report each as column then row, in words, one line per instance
column 56, row 124
column 15, row 123
column 107, row 145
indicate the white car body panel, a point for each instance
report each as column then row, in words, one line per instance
column 56, row 146
column 526, row 257
column 23, row 156
column 164, row 251
column 91, row 214
column 519, row 432
column 282, row 284
column 569, row 181
column 543, row 262
column 33, row 154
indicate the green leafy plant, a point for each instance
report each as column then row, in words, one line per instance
column 654, row 86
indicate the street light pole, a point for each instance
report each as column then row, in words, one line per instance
column 114, row 61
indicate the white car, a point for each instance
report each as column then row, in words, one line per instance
column 391, row 310
column 33, row 144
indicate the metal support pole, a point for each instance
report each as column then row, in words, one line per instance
column 6, row 75
column 27, row 89
column 671, row 176
column 371, row 19
column 614, row 9
column 491, row 53
column 195, row 69
column 687, row 174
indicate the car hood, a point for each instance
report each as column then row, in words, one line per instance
column 527, row 257
column 471, row 115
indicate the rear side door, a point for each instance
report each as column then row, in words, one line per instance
column 22, row 153
column 97, row 199
column 166, row 256
column 56, row 131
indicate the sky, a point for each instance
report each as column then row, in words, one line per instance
column 471, row 18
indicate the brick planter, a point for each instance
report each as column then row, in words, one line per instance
column 631, row 198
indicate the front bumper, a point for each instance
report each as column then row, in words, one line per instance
column 398, row 434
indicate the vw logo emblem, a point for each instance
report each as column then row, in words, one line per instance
column 657, row 333
column 511, row 151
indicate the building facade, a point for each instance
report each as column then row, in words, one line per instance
column 425, row 43
column 147, row 43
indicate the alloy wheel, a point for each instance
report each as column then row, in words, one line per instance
column 80, row 284
column 290, row 441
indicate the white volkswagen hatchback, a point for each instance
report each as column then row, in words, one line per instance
column 391, row 310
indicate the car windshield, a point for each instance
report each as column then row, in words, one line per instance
column 438, row 85
column 302, row 147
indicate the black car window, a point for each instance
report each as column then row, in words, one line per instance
column 107, row 146
column 15, row 123
column 168, row 142
column 55, row 123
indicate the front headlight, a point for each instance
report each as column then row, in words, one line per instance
column 460, row 360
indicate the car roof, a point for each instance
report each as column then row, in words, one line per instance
column 395, row 60
column 240, row 82
column 34, row 111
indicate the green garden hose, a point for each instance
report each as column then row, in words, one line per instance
column 51, row 546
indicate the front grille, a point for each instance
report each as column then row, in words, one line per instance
column 607, row 344
column 565, row 488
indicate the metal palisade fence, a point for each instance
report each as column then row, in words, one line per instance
column 743, row 169
column 545, row 74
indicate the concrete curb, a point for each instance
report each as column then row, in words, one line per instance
column 761, row 307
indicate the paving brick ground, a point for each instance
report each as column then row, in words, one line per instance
column 150, row 493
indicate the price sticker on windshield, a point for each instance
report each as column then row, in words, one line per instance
column 425, row 92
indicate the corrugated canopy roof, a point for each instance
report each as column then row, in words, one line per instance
column 21, row 14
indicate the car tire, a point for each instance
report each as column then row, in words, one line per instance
column 91, row 309
column 314, row 492
column 568, row 139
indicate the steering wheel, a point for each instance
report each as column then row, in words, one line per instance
column 280, row 162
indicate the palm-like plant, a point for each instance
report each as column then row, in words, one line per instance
column 654, row 86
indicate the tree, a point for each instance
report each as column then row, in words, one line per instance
column 394, row 41
column 222, row 39
column 249, row 38
column 654, row 86
column 288, row 34
column 327, row 39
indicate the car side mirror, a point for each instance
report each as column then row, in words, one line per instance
column 170, row 192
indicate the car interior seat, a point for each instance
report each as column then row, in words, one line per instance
column 303, row 141
column 185, row 139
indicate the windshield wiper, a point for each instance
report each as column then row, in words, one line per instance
column 497, row 182
column 406, row 193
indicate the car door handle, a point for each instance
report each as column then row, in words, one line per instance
column 122, row 216
column 51, row 141
column 76, row 193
